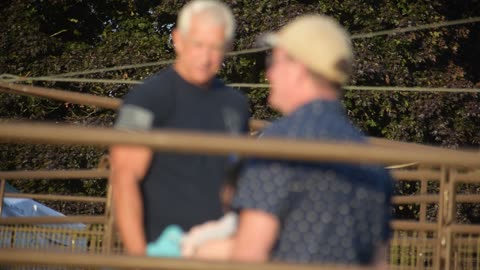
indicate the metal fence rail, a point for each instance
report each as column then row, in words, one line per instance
column 25, row 257
column 414, row 244
column 216, row 144
column 114, row 103
column 417, row 244
column 81, row 98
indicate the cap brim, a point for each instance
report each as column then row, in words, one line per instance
column 267, row 40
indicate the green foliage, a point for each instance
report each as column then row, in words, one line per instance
column 49, row 37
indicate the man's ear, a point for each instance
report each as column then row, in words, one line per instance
column 177, row 40
column 298, row 71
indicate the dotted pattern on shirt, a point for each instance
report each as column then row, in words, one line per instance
column 329, row 212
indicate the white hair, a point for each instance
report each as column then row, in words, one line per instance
column 216, row 11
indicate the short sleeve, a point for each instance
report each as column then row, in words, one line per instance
column 235, row 111
column 263, row 185
column 146, row 106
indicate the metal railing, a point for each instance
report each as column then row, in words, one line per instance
column 38, row 225
column 115, row 103
column 417, row 244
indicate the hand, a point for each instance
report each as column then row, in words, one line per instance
column 137, row 251
column 215, row 250
column 196, row 236
column 209, row 231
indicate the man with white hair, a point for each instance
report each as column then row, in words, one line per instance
column 309, row 212
column 152, row 190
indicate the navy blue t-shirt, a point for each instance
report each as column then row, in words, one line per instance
column 329, row 212
column 182, row 189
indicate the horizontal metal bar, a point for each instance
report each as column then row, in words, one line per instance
column 53, row 220
column 396, row 224
column 402, row 145
column 51, row 197
column 466, row 240
column 402, row 225
column 410, row 267
column 26, row 257
column 42, row 229
column 114, row 103
column 82, row 98
column 55, row 174
column 415, row 199
column 417, row 175
column 68, row 96
column 417, row 242
column 467, row 198
column 217, row 144
column 400, row 175
column 465, row 228
column 467, row 178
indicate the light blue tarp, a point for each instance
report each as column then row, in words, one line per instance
column 13, row 207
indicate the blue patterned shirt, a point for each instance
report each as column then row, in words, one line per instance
column 328, row 212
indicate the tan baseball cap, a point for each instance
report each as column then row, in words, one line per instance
column 319, row 42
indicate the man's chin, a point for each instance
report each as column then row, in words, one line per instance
column 202, row 79
column 271, row 102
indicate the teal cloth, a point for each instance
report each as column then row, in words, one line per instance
column 168, row 243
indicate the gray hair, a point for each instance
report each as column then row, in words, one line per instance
column 216, row 11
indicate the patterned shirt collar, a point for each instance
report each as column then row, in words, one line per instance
column 320, row 107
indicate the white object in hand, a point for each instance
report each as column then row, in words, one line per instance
column 211, row 230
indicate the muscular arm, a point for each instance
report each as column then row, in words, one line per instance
column 129, row 165
column 256, row 235
column 253, row 241
column 261, row 207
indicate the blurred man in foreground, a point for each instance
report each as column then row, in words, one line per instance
column 309, row 212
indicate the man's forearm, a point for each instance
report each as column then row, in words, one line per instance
column 220, row 250
column 129, row 213
column 256, row 235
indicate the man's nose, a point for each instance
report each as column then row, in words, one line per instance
column 205, row 55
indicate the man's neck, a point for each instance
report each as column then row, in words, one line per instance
column 182, row 72
column 322, row 90
column 310, row 95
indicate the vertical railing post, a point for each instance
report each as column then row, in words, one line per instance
column 451, row 217
column 107, row 240
column 422, row 219
column 423, row 205
column 441, row 237
column 108, row 226
column 446, row 216
column 2, row 193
